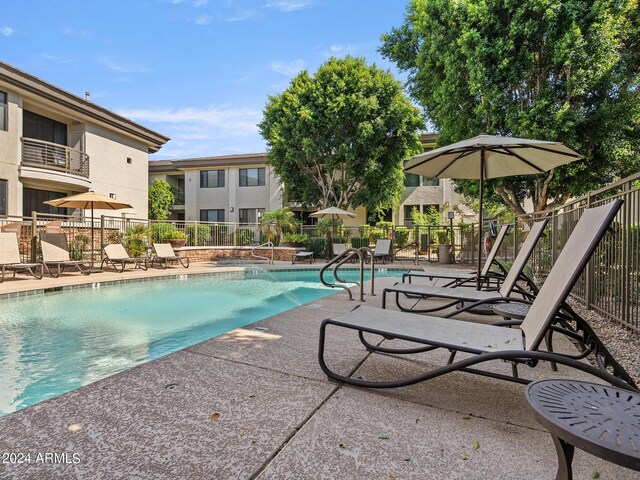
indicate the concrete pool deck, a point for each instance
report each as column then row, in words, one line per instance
column 255, row 404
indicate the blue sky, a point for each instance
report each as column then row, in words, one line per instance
column 198, row 71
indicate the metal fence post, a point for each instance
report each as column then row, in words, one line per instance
column 588, row 274
column 195, row 233
column 554, row 237
column 626, row 256
column 102, row 244
column 34, row 236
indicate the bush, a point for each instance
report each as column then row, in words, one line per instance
column 318, row 246
column 204, row 232
column 340, row 240
column 296, row 238
column 219, row 234
column 242, row 237
column 359, row 242
column 402, row 236
column 376, row 234
column 174, row 234
column 159, row 230
column 78, row 246
column 137, row 239
column 364, row 230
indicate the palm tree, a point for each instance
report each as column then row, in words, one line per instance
column 276, row 222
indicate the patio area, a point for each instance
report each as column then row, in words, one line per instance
column 255, row 404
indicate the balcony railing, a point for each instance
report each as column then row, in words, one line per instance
column 179, row 196
column 51, row 156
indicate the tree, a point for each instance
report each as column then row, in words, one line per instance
column 338, row 138
column 275, row 223
column 161, row 197
column 550, row 70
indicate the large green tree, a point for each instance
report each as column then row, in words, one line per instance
column 338, row 137
column 544, row 69
column 161, row 197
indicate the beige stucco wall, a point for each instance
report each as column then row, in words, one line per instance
column 110, row 173
column 10, row 152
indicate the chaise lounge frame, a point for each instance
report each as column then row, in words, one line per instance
column 116, row 255
column 165, row 256
column 55, row 253
column 10, row 258
column 497, row 341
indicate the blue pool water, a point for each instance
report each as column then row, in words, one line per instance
column 54, row 343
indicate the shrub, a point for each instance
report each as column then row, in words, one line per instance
column 137, row 239
column 174, row 234
column 364, row 230
column 377, row 234
column 318, row 246
column 78, row 246
column 359, row 242
column 204, row 232
column 159, row 230
column 296, row 238
column 219, row 234
column 402, row 236
column 340, row 240
column 242, row 237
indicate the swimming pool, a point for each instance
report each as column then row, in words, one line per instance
column 51, row 344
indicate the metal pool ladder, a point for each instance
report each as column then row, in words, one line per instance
column 337, row 262
column 264, row 246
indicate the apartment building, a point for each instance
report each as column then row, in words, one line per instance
column 54, row 143
column 228, row 188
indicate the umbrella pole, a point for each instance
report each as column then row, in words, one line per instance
column 482, row 173
column 91, row 236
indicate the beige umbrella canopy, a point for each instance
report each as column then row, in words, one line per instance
column 85, row 201
column 487, row 156
column 333, row 211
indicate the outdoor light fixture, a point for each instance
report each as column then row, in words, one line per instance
column 451, row 215
column 112, row 195
column 231, row 209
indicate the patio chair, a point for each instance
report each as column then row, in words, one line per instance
column 55, row 253
column 116, row 256
column 475, row 299
column 457, row 278
column 382, row 250
column 165, row 255
column 10, row 258
column 482, row 342
column 339, row 249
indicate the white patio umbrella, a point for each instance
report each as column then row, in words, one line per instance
column 484, row 157
column 85, row 201
column 335, row 213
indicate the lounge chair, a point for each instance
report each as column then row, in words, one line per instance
column 475, row 299
column 339, row 249
column 55, row 253
column 10, row 258
column 497, row 341
column 165, row 255
column 458, row 278
column 117, row 256
column 382, row 250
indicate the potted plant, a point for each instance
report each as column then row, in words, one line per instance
column 175, row 237
column 295, row 240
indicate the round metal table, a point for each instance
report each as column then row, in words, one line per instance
column 514, row 311
column 599, row 419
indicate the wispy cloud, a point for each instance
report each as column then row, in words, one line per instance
column 122, row 67
column 56, row 59
column 72, row 32
column 200, row 3
column 6, row 31
column 212, row 121
column 202, row 20
column 243, row 15
column 338, row 50
column 289, row 5
column 289, row 69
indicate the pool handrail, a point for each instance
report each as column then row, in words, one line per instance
column 264, row 246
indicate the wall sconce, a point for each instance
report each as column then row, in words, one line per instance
column 112, row 195
column 231, row 209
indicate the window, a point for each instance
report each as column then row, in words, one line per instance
column 3, row 197
column 33, row 201
column 3, row 111
column 43, row 128
column 211, row 178
column 249, row 215
column 251, row 177
column 408, row 209
column 215, row 215
column 430, row 182
column 411, row 179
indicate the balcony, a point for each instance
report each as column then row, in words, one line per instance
column 51, row 156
